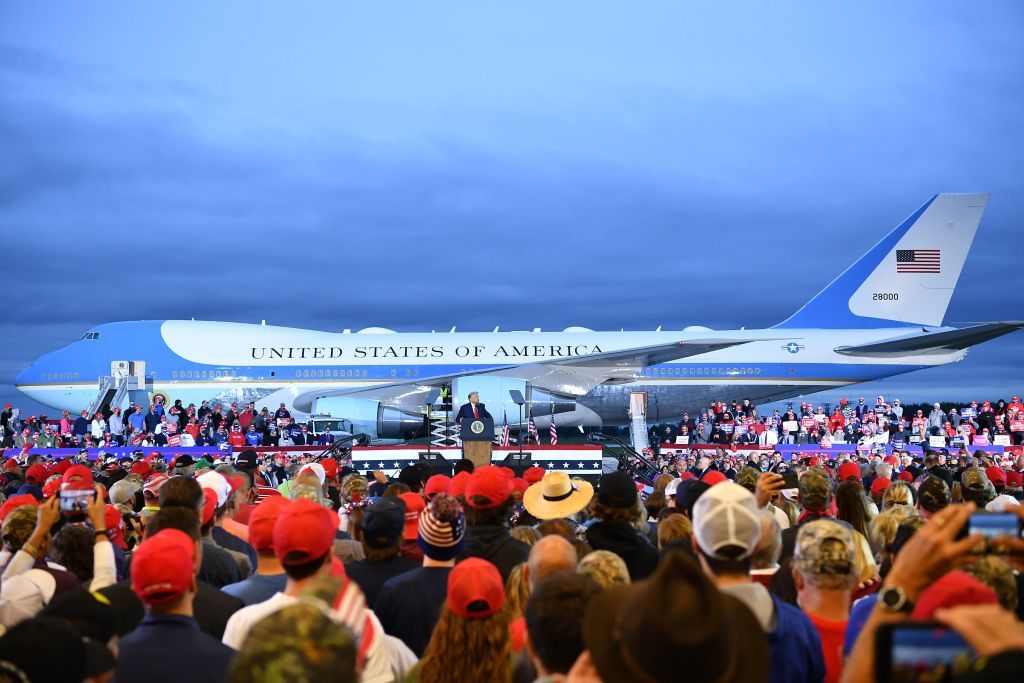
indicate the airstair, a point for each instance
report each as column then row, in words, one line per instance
column 124, row 376
column 638, row 434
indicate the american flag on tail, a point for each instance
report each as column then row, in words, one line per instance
column 533, row 431
column 504, row 431
column 553, row 432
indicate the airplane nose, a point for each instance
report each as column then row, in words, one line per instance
column 24, row 375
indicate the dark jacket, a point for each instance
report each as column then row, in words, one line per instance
column 640, row 556
column 466, row 412
column 212, row 608
column 493, row 543
column 171, row 648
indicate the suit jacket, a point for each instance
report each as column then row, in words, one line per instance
column 466, row 411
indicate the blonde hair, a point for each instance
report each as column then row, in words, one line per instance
column 897, row 494
column 517, row 591
column 882, row 529
column 526, row 534
column 485, row 640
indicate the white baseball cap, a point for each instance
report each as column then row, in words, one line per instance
column 726, row 515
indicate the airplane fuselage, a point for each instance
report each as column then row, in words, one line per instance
column 198, row 360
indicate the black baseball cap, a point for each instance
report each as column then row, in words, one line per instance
column 617, row 490
column 246, row 460
column 384, row 522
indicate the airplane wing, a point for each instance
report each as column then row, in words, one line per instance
column 936, row 342
column 568, row 376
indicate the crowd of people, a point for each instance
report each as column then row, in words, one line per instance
column 975, row 424
column 294, row 567
column 159, row 425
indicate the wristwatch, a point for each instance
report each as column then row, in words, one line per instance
column 894, row 599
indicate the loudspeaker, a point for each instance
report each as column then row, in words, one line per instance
column 517, row 463
column 438, row 463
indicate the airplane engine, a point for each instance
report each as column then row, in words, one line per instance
column 371, row 417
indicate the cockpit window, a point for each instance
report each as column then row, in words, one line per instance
column 91, row 335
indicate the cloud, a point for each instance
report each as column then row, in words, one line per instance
column 631, row 195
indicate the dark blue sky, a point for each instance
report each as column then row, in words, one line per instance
column 336, row 165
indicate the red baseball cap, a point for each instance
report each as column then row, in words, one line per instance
column 905, row 476
column 953, row 588
column 262, row 520
column 209, row 505
column 533, row 474
column 438, row 483
column 35, row 474
column 76, row 473
column 475, row 589
column 457, row 487
column 142, row 469
column 712, row 477
column 849, row 470
column 490, row 488
column 11, row 463
column 414, row 505
column 1014, row 479
column 519, row 485
column 880, row 484
column 304, row 531
column 330, row 466
column 507, row 472
column 17, row 502
column 813, row 461
column 891, row 459
column 51, row 488
column 163, row 566
column 996, row 475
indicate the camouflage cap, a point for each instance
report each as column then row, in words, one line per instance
column 815, row 489
column 973, row 478
column 299, row 644
column 824, row 547
column 18, row 526
column 995, row 573
column 747, row 478
column 933, row 495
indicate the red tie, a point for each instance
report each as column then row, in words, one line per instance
column 475, row 414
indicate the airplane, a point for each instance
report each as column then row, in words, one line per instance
column 883, row 316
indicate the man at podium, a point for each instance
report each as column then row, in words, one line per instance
column 472, row 410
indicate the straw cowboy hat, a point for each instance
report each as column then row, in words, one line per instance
column 556, row 496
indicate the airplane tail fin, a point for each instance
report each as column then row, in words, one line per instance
column 908, row 277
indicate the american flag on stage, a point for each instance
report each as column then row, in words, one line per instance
column 918, row 260
column 553, row 432
column 504, row 431
column 533, row 431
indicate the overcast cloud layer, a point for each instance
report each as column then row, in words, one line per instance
column 532, row 165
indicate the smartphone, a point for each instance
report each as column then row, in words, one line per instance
column 919, row 651
column 990, row 525
column 790, row 480
column 74, row 503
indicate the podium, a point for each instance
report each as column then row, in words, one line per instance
column 477, row 436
